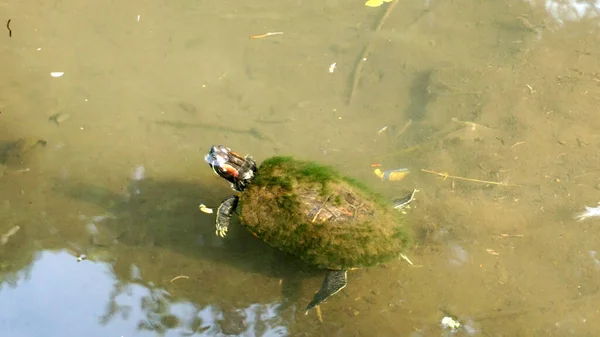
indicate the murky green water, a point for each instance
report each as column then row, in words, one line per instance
column 104, row 164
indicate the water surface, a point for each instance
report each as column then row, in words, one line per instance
column 101, row 230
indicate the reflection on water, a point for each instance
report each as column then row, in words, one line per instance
column 46, row 301
column 491, row 105
column 572, row 10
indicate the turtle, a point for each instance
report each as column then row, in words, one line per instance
column 310, row 211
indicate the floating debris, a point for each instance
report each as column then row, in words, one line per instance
column 588, row 213
column 450, row 323
column 265, row 35
column 376, row 3
column 4, row 238
column 367, row 50
column 492, row 252
column 57, row 74
column 406, row 125
column 59, row 118
column 392, row 175
column 332, row 67
column 506, row 235
column 405, row 258
column 81, row 257
column 138, row 173
column 382, row 130
column 446, row 176
column 179, row 277
column 8, row 27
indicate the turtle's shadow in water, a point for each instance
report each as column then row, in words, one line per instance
column 165, row 213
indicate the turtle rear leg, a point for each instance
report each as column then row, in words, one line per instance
column 224, row 213
column 334, row 281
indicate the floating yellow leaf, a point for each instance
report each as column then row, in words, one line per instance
column 376, row 3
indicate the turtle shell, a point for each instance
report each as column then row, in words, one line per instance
column 313, row 212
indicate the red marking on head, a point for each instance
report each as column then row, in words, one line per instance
column 230, row 169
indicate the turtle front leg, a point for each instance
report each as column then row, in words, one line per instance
column 334, row 281
column 224, row 213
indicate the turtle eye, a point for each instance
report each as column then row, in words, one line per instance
column 211, row 159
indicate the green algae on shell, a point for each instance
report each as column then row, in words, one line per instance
column 324, row 218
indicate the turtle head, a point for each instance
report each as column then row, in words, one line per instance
column 237, row 170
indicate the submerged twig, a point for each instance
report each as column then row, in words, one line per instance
column 367, row 51
column 253, row 132
column 506, row 235
column 179, row 277
column 8, row 27
column 471, row 125
column 405, row 258
column 321, row 208
column 404, row 128
column 265, row 35
column 4, row 238
column 446, row 175
column 517, row 144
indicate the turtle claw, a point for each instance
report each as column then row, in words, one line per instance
column 221, row 232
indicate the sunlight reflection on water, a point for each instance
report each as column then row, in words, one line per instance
column 48, row 303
